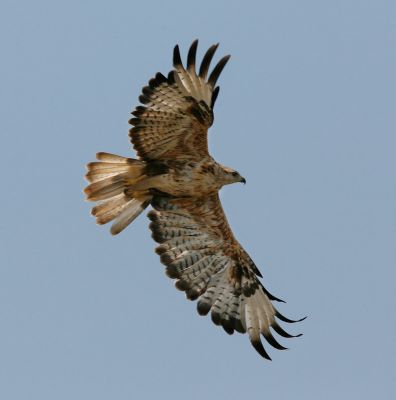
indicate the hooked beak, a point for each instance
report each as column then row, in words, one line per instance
column 243, row 180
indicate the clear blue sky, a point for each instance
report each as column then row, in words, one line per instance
column 306, row 113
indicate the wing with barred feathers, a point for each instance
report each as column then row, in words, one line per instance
column 199, row 250
column 178, row 110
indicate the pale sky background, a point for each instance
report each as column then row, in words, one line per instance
column 306, row 113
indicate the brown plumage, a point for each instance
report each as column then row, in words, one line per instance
column 175, row 174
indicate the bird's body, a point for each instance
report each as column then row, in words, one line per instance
column 175, row 174
column 185, row 178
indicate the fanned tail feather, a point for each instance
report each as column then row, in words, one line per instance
column 110, row 178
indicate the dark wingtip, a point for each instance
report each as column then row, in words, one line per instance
column 152, row 215
column 172, row 272
column 192, row 53
column 284, row 319
column 217, row 70
column 138, row 111
column 216, row 318
column 203, row 70
column 176, row 57
column 273, row 342
column 166, row 259
column 270, row 295
column 214, row 96
column 160, row 250
column 143, row 99
column 280, row 331
column 260, row 349
column 203, row 307
column 159, row 78
column 171, row 77
column 238, row 325
column 181, row 285
column 228, row 326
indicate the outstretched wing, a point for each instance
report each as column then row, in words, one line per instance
column 178, row 110
column 200, row 251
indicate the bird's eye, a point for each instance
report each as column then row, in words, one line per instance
column 234, row 173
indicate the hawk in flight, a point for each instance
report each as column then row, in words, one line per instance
column 176, row 175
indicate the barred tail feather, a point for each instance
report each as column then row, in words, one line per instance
column 132, row 209
column 110, row 165
column 111, row 179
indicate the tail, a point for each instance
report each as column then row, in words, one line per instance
column 111, row 180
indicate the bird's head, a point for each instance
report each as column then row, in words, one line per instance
column 232, row 176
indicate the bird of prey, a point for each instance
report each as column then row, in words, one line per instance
column 175, row 175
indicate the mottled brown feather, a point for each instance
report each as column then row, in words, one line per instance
column 177, row 112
